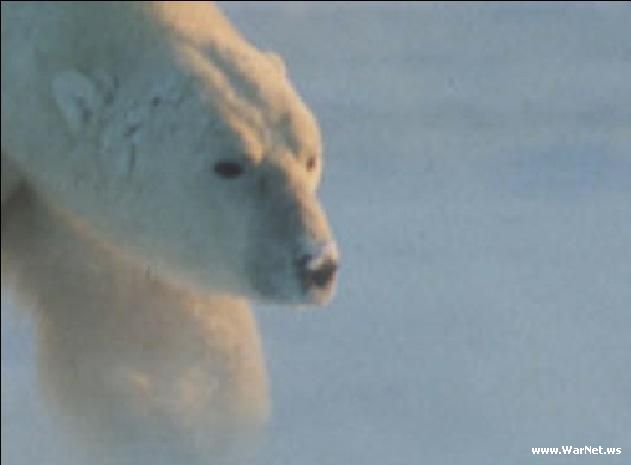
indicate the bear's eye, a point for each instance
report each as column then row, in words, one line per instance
column 228, row 169
column 311, row 163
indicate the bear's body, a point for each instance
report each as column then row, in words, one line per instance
column 135, row 363
column 156, row 171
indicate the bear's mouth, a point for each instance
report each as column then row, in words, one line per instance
column 296, row 276
column 305, row 286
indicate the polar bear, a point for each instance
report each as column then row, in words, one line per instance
column 158, row 172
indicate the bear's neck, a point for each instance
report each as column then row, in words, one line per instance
column 130, row 357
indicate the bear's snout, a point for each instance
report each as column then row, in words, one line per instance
column 318, row 268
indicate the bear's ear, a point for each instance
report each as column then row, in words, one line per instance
column 277, row 61
column 77, row 98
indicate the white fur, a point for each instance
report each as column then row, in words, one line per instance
column 137, row 253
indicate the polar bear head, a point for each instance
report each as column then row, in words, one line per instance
column 202, row 163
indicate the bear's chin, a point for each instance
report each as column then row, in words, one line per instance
column 314, row 297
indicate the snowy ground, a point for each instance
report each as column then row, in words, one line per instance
column 478, row 177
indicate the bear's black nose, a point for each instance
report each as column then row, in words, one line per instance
column 317, row 266
column 320, row 276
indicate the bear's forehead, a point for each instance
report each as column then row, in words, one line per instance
column 258, row 138
column 255, row 101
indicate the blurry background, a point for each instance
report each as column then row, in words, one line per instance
column 478, row 178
